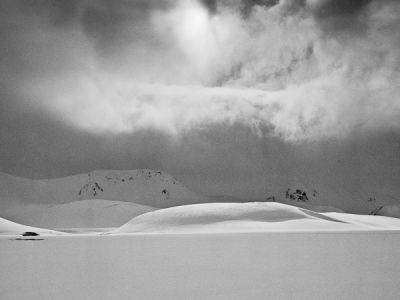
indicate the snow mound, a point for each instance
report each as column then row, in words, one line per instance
column 11, row 228
column 231, row 217
column 84, row 213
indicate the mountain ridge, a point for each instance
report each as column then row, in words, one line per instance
column 143, row 186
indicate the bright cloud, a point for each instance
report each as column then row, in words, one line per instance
column 272, row 69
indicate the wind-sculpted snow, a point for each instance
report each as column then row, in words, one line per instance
column 11, row 228
column 234, row 217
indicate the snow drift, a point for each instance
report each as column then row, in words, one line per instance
column 234, row 217
column 11, row 228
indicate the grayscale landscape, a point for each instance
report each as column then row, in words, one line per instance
column 199, row 149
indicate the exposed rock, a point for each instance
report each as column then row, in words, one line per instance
column 30, row 233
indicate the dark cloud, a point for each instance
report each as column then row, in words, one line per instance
column 111, row 23
column 59, row 12
column 332, row 15
column 40, row 147
column 331, row 8
column 211, row 5
column 340, row 15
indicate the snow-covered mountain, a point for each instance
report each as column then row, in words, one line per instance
column 146, row 187
column 103, row 198
column 331, row 196
column 122, row 195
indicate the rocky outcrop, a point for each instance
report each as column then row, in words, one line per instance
column 298, row 195
column 90, row 190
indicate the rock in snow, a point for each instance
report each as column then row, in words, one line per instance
column 11, row 228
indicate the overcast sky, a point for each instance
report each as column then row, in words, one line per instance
column 225, row 95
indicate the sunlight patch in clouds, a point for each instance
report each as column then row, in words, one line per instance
column 272, row 69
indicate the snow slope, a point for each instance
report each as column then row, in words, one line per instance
column 82, row 213
column 147, row 187
column 317, row 208
column 390, row 210
column 367, row 221
column 11, row 228
column 161, row 190
column 56, row 203
column 333, row 194
column 241, row 217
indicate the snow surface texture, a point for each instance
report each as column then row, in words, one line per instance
column 254, row 266
column 77, row 214
column 221, row 251
column 10, row 228
column 246, row 217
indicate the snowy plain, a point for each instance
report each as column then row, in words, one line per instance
column 275, row 265
column 296, row 254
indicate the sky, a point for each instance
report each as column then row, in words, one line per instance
column 228, row 96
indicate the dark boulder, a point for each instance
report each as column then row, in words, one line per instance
column 30, row 233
